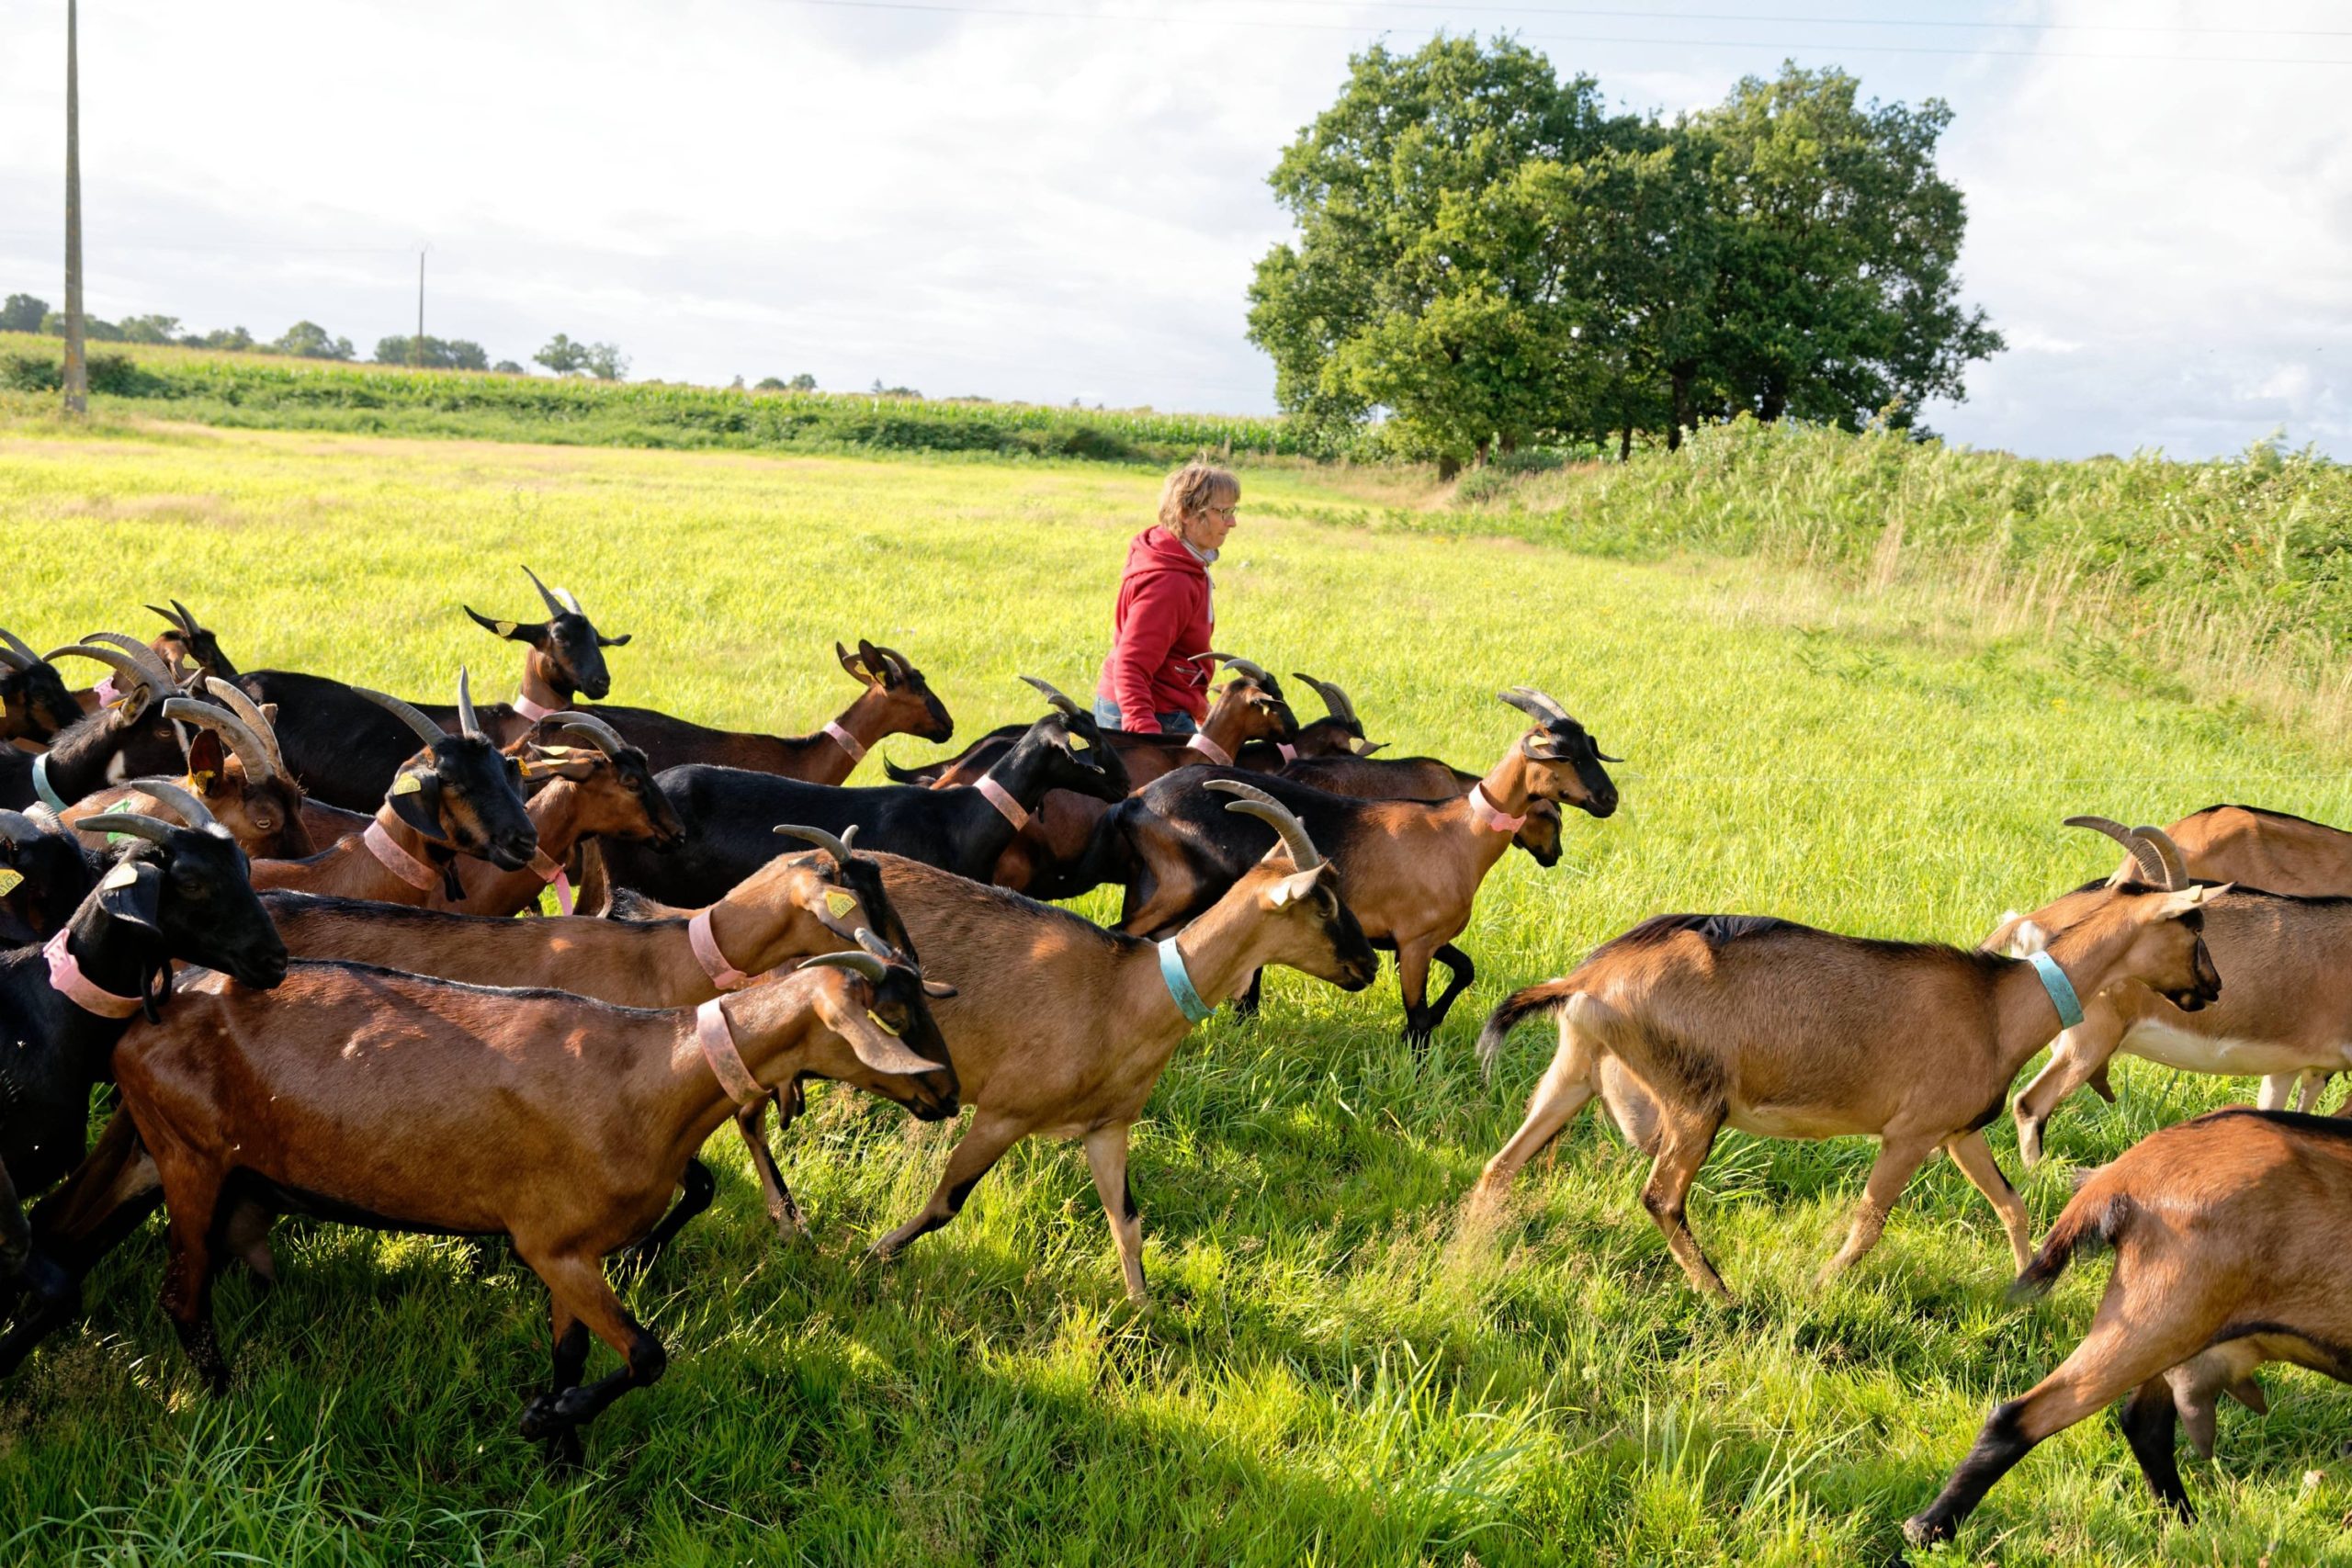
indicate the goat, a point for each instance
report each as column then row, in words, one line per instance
column 344, row 748
column 459, row 797
column 174, row 894
column 1339, row 733
column 963, row 829
column 897, row 700
column 1061, row 1029
column 187, row 647
column 561, row 1123
column 130, row 736
column 233, row 765
column 1367, row 777
column 34, row 703
column 1410, row 869
column 2225, row 1256
column 44, row 876
column 2299, row 1021
column 1914, row 1044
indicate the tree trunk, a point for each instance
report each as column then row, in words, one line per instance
column 77, row 370
column 1682, row 418
column 1626, row 444
column 1774, row 404
column 1449, row 468
column 1479, row 461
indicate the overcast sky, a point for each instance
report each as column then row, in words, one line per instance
column 1050, row 199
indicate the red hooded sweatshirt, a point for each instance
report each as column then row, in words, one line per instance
column 1165, row 615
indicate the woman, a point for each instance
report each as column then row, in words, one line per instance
column 1155, row 683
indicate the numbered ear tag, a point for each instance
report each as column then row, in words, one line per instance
column 10, row 879
column 122, row 876
column 505, row 628
column 1076, row 742
column 880, row 1024
column 840, row 903
column 407, row 783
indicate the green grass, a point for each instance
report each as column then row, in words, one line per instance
column 1335, row 1374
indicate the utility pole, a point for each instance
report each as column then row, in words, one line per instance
column 77, row 370
column 416, row 344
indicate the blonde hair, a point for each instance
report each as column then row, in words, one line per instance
column 1192, row 490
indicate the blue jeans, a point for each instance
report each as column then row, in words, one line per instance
column 1106, row 714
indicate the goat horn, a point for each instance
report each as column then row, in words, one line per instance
column 248, row 746
column 467, row 723
column 187, row 617
column 1255, row 671
column 608, row 739
column 244, row 707
column 880, row 948
column 135, row 824
column 122, row 663
column 906, row 670
column 555, row 605
column 426, row 730
column 12, row 660
column 18, row 646
column 1335, row 701
column 569, row 597
column 2175, row 868
column 192, row 810
column 151, row 669
column 1056, row 698
column 837, row 848
column 181, row 622
column 15, row 828
column 1550, row 706
column 2143, row 854
column 864, row 964
column 1256, row 802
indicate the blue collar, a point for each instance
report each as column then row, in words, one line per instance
column 2060, row 990
column 1180, row 984
column 43, row 788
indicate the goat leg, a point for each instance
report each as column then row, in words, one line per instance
column 1686, row 1137
column 983, row 1144
column 697, row 1188
column 578, row 1287
column 1899, row 1159
column 1970, row 1152
column 1567, row 1085
column 187, row 1273
column 1106, row 1156
column 15, row 1230
column 784, row 1212
column 1413, row 984
column 2077, row 1056
column 1461, row 974
column 1252, row 997
column 2148, row 1423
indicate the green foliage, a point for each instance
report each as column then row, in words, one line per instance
column 308, row 340
column 151, row 329
column 601, row 360
column 94, row 330
column 1488, row 258
column 22, row 313
column 453, row 353
column 231, row 339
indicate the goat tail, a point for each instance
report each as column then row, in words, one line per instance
column 920, row 775
column 1548, row 997
column 2098, row 1215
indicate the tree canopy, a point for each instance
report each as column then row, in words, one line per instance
column 1487, row 256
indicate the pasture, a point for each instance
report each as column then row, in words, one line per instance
column 1336, row 1372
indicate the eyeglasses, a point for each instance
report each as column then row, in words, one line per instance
column 1229, row 514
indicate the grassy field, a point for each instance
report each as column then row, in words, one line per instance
column 1335, row 1375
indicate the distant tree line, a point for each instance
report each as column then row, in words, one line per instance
column 1488, row 258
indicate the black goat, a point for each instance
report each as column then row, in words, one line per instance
column 44, row 876
column 344, row 749
column 729, row 813
column 189, row 646
column 177, row 894
column 128, row 736
column 34, row 703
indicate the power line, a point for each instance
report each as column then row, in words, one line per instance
column 1640, row 15
column 246, row 245
column 1026, row 13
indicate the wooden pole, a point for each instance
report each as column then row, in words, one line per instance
column 77, row 370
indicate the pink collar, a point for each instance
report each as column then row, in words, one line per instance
column 551, row 871
column 845, row 741
column 1210, row 748
column 723, row 974
column 396, row 859
column 717, row 1043
column 1289, row 752
column 1001, row 798
column 66, row 978
column 532, row 710
column 1483, row 813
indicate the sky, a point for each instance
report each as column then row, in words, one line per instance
column 1059, row 200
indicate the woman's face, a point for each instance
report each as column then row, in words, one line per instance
column 1208, row 527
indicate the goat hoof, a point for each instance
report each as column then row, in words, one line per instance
column 539, row 1419
column 1927, row 1530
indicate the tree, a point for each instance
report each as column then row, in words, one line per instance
column 437, row 354
column 605, row 361
column 508, row 368
column 22, row 313
column 1837, row 245
column 308, row 340
column 151, row 329
column 232, row 338
column 93, row 328
column 804, row 382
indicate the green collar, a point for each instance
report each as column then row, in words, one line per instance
column 1179, row 984
column 2060, row 990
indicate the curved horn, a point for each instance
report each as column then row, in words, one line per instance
column 864, row 964
column 244, row 707
column 2175, row 867
column 467, row 723
column 187, row 617
column 2144, row 855
column 122, row 663
column 132, row 822
column 13, row 651
column 1335, row 701
column 1255, row 671
column 555, row 605
column 1256, row 802
column 1056, row 698
column 181, row 623
column 191, row 810
column 837, row 848
column 877, row 946
column 608, row 739
column 426, row 730
column 15, row 828
column 906, row 670
column 248, row 746
column 1538, row 705
column 158, row 673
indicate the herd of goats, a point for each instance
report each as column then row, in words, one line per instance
column 274, row 911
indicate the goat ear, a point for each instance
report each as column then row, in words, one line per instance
column 418, row 807
column 1366, row 747
column 2027, row 939
column 207, row 764
column 133, row 899
column 1296, row 886
column 850, row 663
column 604, row 641
column 939, row 988
column 877, row 1049
column 2188, row 898
column 513, row 631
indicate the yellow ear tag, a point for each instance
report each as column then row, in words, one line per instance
column 1077, row 742
column 122, row 876
column 10, row 880
column 840, row 903
column 196, row 780
column 505, row 628
column 407, row 783
column 880, row 1026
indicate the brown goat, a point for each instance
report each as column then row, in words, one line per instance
column 234, row 767
column 1061, row 1029
column 1783, row 1031
column 408, row 1103
column 2226, row 1256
